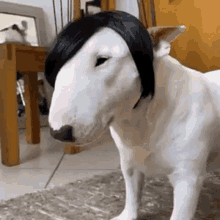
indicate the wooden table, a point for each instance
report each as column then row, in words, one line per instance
column 29, row 61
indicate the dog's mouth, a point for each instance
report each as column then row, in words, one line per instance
column 66, row 134
column 82, row 142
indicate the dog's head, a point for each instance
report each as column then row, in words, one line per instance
column 101, row 72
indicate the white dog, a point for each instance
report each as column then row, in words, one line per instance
column 171, row 134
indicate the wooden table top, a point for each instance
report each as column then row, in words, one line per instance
column 27, row 58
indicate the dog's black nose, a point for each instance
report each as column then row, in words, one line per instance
column 64, row 134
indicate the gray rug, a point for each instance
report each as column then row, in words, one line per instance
column 102, row 198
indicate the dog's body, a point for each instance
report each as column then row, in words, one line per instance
column 172, row 134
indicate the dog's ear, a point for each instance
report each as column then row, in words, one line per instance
column 162, row 37
column 25, row 25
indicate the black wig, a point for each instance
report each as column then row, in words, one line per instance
column 75, row 35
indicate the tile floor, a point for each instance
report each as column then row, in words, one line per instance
column 45, row 165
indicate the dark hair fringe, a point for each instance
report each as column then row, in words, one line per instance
column 75, row 34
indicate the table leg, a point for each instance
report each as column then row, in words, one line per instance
column 31, row 108
column 8, row 104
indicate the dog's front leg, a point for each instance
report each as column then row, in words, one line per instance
column 187, row 185
column 134, row 180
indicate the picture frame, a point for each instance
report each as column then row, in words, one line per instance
column 34, row 16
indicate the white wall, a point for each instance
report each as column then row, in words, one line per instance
column 129, row 6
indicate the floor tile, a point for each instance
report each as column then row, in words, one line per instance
column 91, row 160
column 45, row 155
column 39, row 164
column 15, row 182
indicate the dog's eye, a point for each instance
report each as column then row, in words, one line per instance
column 101, row 60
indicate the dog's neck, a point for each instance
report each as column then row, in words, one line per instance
column 169, row 75
column 170, row 83
column 170, row 78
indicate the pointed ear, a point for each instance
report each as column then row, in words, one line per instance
column 25, row 24
column 162, row 37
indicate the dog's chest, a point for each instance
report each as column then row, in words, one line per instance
column 158, row 150
column 132, row 140
column 134, row 149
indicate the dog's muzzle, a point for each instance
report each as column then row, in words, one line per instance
column 66, row 134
